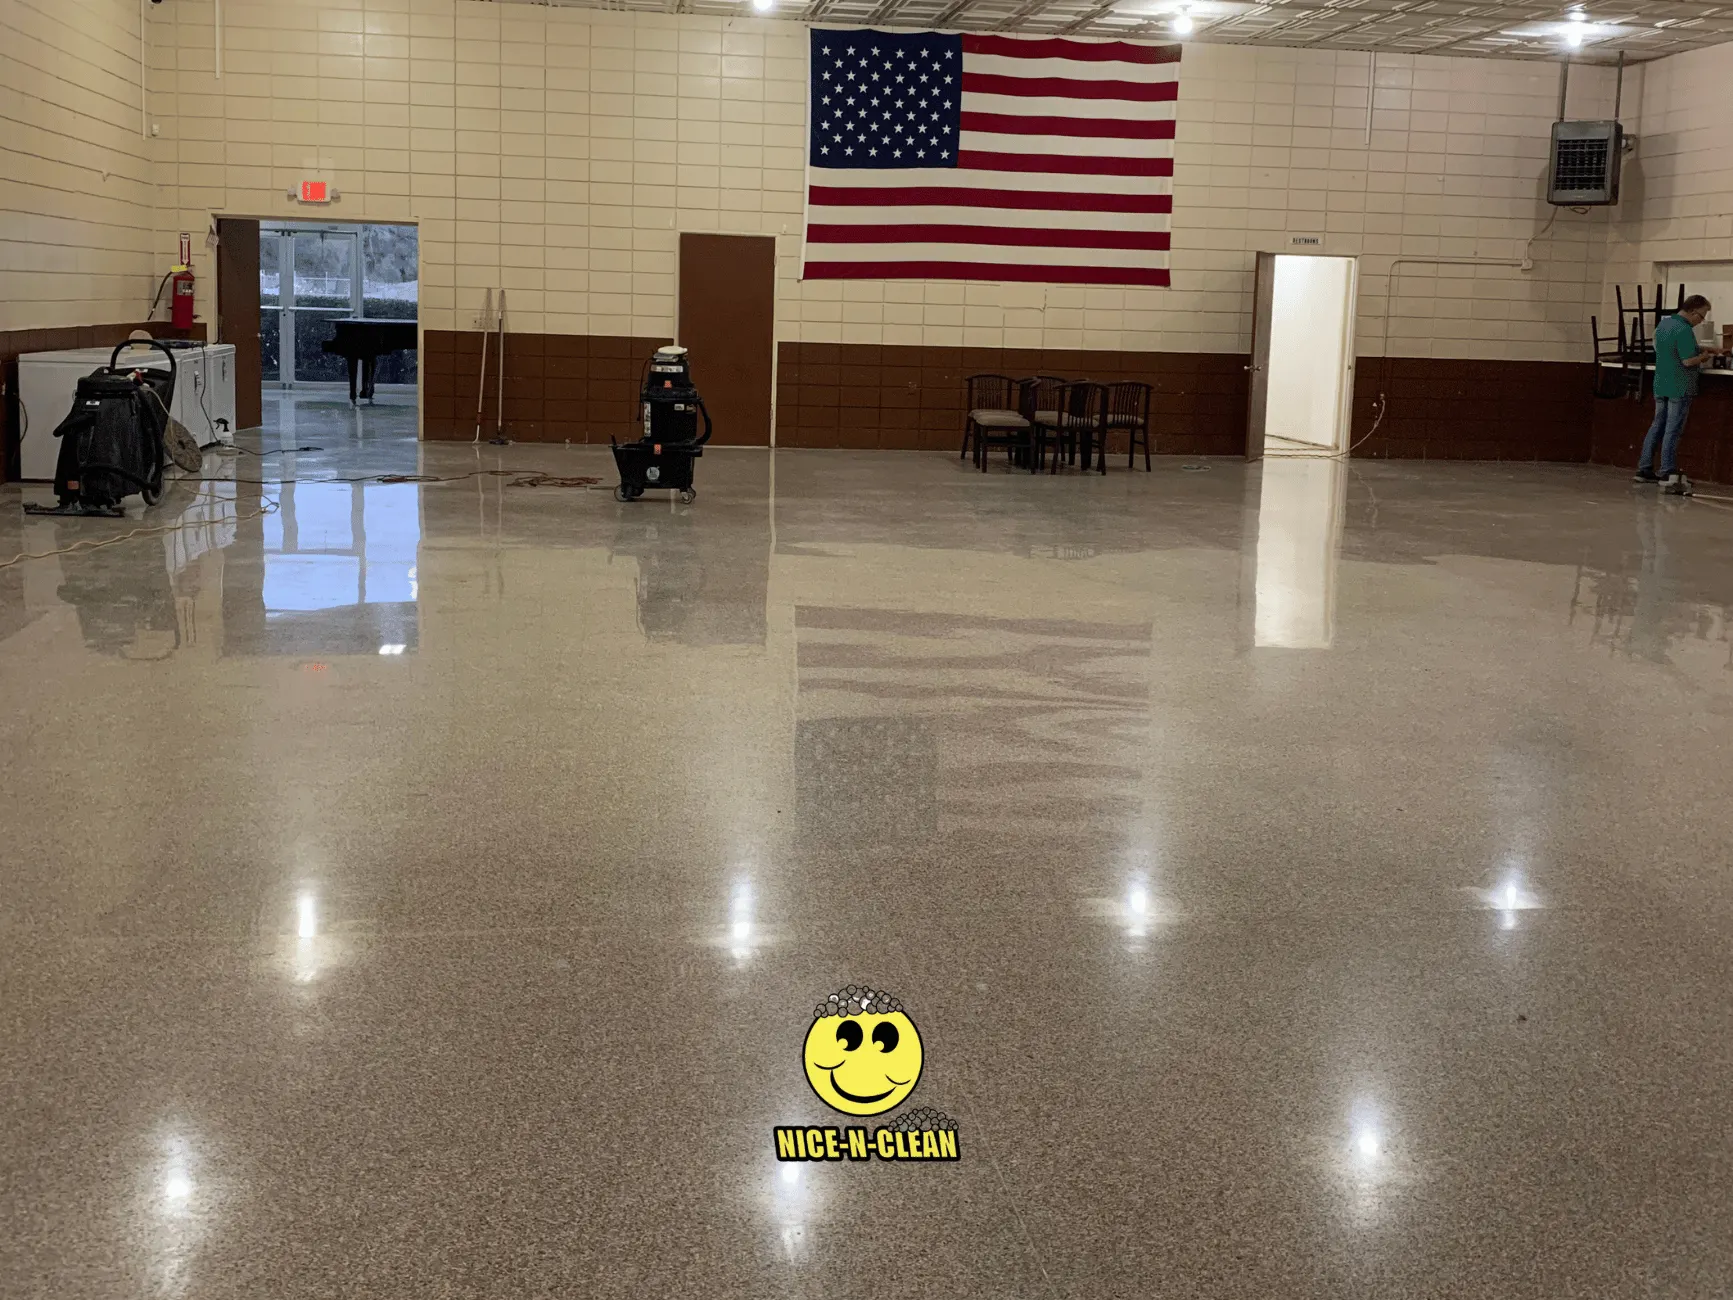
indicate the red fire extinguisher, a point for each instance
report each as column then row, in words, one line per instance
column 181, row 314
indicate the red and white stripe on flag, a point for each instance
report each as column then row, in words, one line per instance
column 1063, row 174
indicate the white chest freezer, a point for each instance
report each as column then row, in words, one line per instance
column 204, row 398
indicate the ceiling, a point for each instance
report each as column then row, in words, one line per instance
column 1642, row 29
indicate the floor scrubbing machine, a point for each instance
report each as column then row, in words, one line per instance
column 112, row 442
column 663, row 457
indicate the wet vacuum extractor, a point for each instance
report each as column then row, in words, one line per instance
column 670, row 406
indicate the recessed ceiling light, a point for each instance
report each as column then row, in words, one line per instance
column 1574, row 37
column 1182, row 24
column 763, row 6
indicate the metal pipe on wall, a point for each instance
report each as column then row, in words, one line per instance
column 1564, row 83
column 143, row 106
column 1371, row 90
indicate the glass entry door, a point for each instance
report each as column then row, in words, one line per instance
column 308, row 280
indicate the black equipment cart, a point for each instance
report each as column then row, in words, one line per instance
column 663, row 457
column 111, row 442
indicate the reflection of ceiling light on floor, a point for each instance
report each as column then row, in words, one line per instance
column 1509, row 897
column 741, row 922
column 307, row 916
column 392, row 649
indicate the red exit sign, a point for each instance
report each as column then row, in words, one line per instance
column 315, row 192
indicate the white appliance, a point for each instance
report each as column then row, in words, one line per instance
column 204, row 399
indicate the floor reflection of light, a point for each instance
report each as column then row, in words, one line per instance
column 1299, row 537
column 307, row 942
column 1510, row 898
column 1367, row 1166
column 1367, row 1144
column 180, row 1206
column 392, row 649
column 177, row 1176
column 742, row 930
column 791, row 1209
column 1137, row 911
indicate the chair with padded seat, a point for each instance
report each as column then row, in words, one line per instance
column 995, row 417
column 1073, row 423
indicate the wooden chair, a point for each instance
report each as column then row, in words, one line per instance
column 1127, row 408
column 1073, row 423
column 994, row 418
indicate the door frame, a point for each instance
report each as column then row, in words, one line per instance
column 1263, row 302
column 775, row 302
column 277, row 219
column 1258, row 390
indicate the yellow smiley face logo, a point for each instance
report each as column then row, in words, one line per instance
column 862, row 1054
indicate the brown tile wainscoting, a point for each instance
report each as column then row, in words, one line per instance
column 558, row 387
column 913, row 398
column 1440, row 409
column 1705, row 449
column 582, row 388
column 17, row 343
column 848, row 395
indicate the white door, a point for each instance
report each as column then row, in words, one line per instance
column 1302, row 355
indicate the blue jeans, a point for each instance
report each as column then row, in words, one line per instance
column 1670, row 413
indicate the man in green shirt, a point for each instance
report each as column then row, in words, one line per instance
column 1677, row 360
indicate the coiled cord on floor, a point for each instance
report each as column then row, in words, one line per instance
column 148, row 530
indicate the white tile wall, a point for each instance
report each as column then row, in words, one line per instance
column 1677, row 189
column 77, row 202
column 558, row 152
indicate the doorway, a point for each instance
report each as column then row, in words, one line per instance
column 1302, row 355
column 727, row 320
column 314, row 275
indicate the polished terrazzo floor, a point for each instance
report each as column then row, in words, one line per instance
column 1308, row 881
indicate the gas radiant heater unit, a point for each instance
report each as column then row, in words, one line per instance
column 1585, row 155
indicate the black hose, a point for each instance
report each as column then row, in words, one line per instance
column 158, row 298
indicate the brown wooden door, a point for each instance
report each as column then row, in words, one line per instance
column 238, row 313
column 728, row 321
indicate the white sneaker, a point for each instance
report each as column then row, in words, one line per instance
column 1677, row 485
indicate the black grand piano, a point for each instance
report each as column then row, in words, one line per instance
column 362, row 342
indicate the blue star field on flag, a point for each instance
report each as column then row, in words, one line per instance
column 886, row 99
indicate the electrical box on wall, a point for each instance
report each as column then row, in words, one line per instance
column 1585, row 164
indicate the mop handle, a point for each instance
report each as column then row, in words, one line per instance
column 481, row 383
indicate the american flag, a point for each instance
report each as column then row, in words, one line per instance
column 981, row 157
